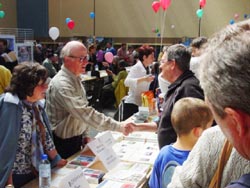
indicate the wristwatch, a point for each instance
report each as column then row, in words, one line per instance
column 9, row 186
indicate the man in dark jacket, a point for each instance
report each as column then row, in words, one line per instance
column 183, row 83
column 175, row 69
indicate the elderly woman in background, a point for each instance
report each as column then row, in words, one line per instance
column 138, row 80
column 25, row 131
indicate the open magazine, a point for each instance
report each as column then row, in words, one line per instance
column 9, row 57
column 134, row 151
column 128, row 172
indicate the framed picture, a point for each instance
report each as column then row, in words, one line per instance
column 11, row 41
column 24, row 52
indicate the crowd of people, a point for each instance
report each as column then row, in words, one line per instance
column 201, row 85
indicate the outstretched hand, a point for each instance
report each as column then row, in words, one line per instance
column 62, row 163
column 128, row 128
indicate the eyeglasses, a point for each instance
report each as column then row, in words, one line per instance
column 162, row 61
column 82, row 59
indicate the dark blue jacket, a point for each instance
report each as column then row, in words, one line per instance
column 187, row 85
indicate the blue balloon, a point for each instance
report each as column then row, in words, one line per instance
column 92, row 15
column 245, row 16
column 67, row 20
column 158, row 34
column 231, row 21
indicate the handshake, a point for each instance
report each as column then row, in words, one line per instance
column 129, row 127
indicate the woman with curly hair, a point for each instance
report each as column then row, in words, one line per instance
column 25, row 130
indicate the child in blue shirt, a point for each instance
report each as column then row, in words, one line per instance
column 190, row 117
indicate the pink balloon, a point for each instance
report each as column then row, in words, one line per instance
column 236, row 16
column 202, row 3
column 156, row 5
column 71, row 24
column 109, row 57
column 165, row 4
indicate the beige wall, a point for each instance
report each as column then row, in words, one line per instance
column 9, row 21
column 77, row 10
column 135, row 18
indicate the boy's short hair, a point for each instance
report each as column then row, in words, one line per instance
column 198, row 42
column 189, row 113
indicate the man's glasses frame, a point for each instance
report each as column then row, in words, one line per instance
column 82, row 59
column 163, row 61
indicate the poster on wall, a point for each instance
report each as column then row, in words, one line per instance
column 11, row 41
column 24, row 52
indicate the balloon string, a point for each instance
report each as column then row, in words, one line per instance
column 161, row 18
column 163, row 27
column 154, row 29
column 60, row 13
column 155, row 22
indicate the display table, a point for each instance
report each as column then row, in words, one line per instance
column 138, row 141
column 97, row 165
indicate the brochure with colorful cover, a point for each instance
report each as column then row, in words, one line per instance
column 82, row 161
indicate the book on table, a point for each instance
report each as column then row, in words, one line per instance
column 93, row 176
column 128, row 172
column 82, row 161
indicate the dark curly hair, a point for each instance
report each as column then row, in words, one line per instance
column 144, row 50
column 25, row 78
